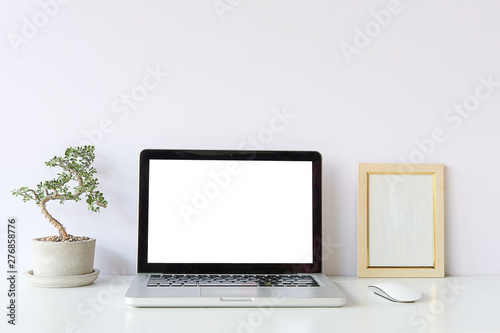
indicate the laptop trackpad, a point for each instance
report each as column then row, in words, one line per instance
column 243, row 292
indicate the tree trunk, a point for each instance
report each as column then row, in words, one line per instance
column 52, row 220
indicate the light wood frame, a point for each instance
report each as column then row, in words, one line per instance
column 407, row 203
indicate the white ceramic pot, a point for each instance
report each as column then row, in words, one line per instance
column 62, row 264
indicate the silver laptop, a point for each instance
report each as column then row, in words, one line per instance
column 230, row 229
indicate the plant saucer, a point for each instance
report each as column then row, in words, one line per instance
column 61, row 281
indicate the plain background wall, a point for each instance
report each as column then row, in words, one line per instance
column 359, row 81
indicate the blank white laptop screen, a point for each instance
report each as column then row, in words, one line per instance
column 213, row 211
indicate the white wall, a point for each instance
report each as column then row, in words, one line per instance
column 354, row 97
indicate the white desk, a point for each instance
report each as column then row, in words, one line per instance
column 452, row 304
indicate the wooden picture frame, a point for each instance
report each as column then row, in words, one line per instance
column 400, row 220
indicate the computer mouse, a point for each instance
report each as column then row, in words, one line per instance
column 396, row 291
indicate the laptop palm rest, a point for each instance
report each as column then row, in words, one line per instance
column 243, row 292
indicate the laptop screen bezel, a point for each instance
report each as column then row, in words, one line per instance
column 143, row 266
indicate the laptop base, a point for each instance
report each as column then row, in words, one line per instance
column 327, row 295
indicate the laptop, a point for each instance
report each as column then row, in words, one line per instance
column 230, row 228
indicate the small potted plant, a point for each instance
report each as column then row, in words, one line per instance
column 65, row 260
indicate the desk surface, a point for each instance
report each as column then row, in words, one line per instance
column 451, row 304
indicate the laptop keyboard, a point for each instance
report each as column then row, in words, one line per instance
column 231, row 280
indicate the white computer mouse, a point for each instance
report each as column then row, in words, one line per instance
column 396, row 291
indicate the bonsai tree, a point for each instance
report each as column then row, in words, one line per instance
column 75, row 165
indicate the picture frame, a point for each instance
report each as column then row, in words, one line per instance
column 400, row 220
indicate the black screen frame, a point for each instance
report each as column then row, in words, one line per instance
column 224, row 268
